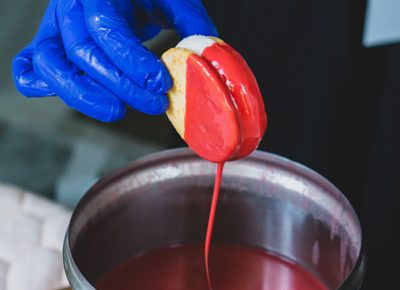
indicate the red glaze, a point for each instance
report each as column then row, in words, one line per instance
column 211, row 123
column 246, row 95
column 223, row 105
column 225, row 117
column 181, row 267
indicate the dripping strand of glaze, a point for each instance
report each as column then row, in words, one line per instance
column 213, row 209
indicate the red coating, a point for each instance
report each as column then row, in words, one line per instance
column 225, row 117
column 211, row 123
column 243, row 87
column 219, row 85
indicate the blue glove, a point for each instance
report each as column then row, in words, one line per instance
column 90, row 54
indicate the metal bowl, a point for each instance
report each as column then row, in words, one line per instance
column 266, row 201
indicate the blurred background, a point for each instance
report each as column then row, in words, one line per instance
column 333, row 104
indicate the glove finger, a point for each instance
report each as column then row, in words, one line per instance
column 187, row 17
column 25, row 79
column 89, row 57
column 76, row 89
column 109, row 28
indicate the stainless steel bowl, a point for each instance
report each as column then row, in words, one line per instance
column 266, row 201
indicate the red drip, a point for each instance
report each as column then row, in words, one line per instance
column 210, row 225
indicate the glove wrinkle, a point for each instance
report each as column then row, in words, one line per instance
column 89, row 98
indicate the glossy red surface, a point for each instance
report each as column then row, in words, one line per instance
column 246, row 95
column 181, row 267
column 211, row 123
column 225, row 117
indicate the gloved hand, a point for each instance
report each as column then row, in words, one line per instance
column 90, row 54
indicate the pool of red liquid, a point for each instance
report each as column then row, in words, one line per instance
column 181, row 267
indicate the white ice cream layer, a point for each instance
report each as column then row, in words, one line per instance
column 196, row 43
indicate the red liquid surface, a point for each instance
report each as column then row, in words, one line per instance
column 181, row 267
